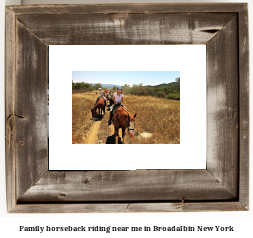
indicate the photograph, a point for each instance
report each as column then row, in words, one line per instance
column 126, row 107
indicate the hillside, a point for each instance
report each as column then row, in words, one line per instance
column 82, row 86
column 172, row 84
column 107, row 85
column 165, row 90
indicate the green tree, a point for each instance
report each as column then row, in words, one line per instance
column 97, row 86
column 114, row 88
column 126, row 89
column 177, row 79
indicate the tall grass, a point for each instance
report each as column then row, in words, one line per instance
column 81, row 114
column 158, row 116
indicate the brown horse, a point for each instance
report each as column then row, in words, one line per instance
column 100, row 105
column 123, row 119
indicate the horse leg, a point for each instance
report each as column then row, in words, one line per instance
column 116, row 133
column 123, row 134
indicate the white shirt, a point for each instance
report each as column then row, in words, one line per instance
column 118, row 98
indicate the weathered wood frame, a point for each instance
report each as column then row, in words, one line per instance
column 222, row 186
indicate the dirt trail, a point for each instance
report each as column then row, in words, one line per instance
column 92, row 136
column 111, row 129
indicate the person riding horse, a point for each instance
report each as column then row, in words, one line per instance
column 118, row 100
column 101, row 94
column 110, row 97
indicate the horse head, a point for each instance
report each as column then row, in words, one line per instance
column 131, row 124
column 93, row 113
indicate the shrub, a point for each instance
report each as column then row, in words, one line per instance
column 82, row 86
column 161, row 94
column 173, row 96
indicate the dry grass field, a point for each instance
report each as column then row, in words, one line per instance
column 81, row 115
column 157, row 120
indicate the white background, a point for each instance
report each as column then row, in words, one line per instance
column 10, row 222
column 189, row 60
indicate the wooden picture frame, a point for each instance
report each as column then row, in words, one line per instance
column 222, row 186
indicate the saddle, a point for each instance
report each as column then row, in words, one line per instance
column 102, row 97
column 117, row 107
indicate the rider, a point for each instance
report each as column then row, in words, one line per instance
column 101, row 94
column 118, row 100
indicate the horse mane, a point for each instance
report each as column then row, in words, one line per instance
column 123, row 109
column 127, row 113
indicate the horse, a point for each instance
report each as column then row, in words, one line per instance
column 100, row 105
column 123, row 119
column 110, row 99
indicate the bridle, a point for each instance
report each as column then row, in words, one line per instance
column 131, row 125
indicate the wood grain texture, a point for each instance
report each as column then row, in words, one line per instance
column 139, row 185
column 154, row 8
column 30, row 108
column 244, row 106
column 222, row 107
column 9, row 109
column 118, row 29
column 186, row 207
column 129, row 207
